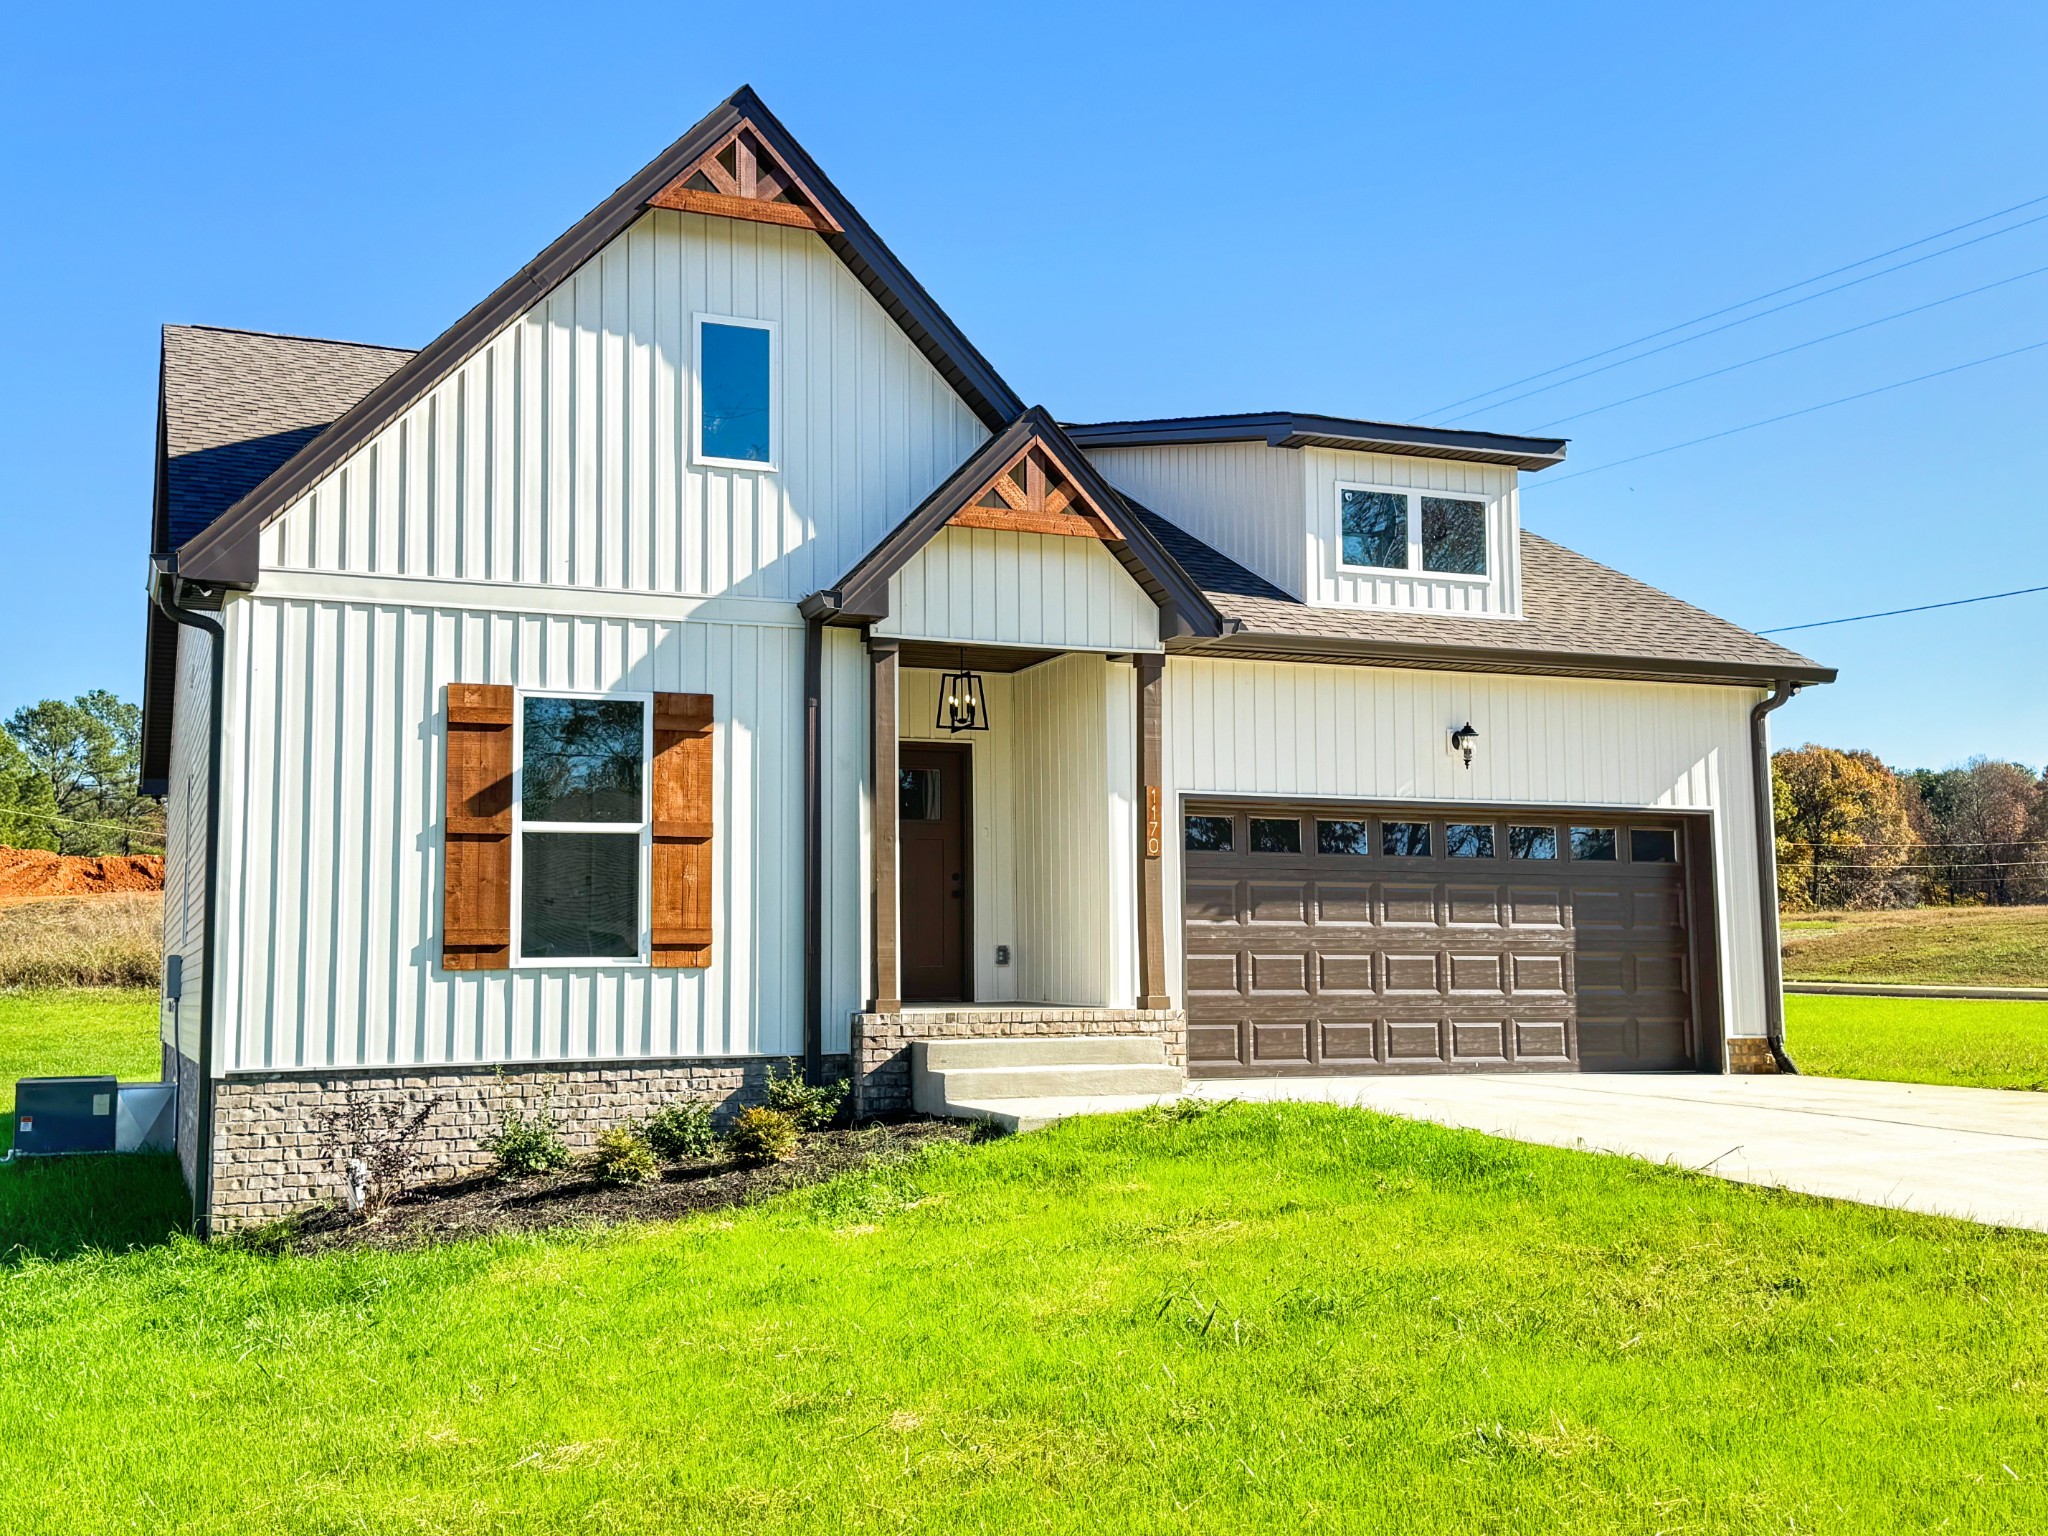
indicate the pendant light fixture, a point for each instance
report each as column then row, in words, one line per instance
column 961, row 704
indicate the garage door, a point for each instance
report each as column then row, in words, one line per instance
column 1381, row 939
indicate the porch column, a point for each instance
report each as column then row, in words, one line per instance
column 882, row 964
column 1151, row 833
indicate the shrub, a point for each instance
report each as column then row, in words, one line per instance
column 528, row 1141
column 763, row 1135
column 808, row 1105
column 681, row 1131
column 84, row 941
column 376, row 1139
column 623, row 1157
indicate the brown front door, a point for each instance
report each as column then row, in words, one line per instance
column 1384, row 938
column 932, row 832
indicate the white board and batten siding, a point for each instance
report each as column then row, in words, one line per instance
column 1290, row 730
column 1333, row 584
column 1244, row 499
column 332, row 840
column 185, row 840
column 992, row 586
column 561, row 453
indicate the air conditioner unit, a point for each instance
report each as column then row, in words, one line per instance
column 56, row 1115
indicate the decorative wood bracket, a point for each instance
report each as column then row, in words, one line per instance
column 742, row 178
column 1032, row 495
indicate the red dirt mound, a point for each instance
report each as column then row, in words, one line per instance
column 30, row 874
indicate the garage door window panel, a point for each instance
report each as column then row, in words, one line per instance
column 1593, row 845
column 1532, row 842
column 1652, row 845
column 1209, row 834
column 1404, row 839
column 1347, row 838
column 1271, row 834
column 1468, row 840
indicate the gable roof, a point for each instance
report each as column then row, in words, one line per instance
column 861, row 596
column 239, row 404
column 224, row 552
column 1292, row 429
column 1580, row 618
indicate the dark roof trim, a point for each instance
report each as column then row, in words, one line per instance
column 226, row 552
column 1252, row 645
column 1290, row 429
column 861, row 596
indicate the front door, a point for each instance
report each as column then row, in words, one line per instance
column 932, row 834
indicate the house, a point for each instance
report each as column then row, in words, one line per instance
column 520, row 704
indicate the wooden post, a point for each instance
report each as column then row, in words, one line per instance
column 882, row 729
column 1152, row 833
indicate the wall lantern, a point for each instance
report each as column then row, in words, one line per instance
column 1461, row 741
column 961, row 705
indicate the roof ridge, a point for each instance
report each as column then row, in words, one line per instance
column 324, row 341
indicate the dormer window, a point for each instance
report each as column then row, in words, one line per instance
column 1390, row 530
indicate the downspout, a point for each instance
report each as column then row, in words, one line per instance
column 1767, row 872
column 814, row 849
column 202, row 1162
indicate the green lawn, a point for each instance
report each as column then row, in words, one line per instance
column 1960, row 946
column 1285, row 1318
column 1920, row 1040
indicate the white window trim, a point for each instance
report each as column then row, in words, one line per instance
column 521, row 826
column 697, row 453
column 1413, row 569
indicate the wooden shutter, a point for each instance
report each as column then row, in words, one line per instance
column 681, row 879
column 476, row 842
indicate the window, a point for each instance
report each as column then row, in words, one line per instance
column 917, row 794
column 1274, row 834
column 1376, row 528
column 1653, row 845
column 1343, row 837
column 1454, row 536
column 583, row 820
column 1208, row 834
column 1532, row 842
column 1593, row 843
column 1405, row 839
column 1468, row 840
column 735, row 393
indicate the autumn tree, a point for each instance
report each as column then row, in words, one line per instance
column 1844, row 836
column 1984, row 827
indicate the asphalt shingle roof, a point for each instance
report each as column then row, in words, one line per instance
column 1571, row 606
column 237, row 404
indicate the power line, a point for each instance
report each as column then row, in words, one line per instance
column 1761, row 314
column 1744, row 304
column 1697, row 378
column 72, row 821
column 1768, row 421
column 1892, row 613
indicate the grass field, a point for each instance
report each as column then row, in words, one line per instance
column 1962, row 946
column 1921, row 1040
column 74, row 1032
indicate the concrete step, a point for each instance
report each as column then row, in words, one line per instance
column 1036, row 1050
column 1036, row 1114
column 931, row 1092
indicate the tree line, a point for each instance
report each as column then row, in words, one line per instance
column 1855, row 833
column 70, row 778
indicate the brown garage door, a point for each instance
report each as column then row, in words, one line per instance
column 1381, row 939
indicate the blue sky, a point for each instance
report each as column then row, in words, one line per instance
column 1135, row 211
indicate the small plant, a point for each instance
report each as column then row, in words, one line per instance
column 624, row 1157
column 682, row 1131
column 763, row 1135
column 528, row 1141
column 809, row 1105
column 376, row 1141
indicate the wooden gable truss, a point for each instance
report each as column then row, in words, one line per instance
column 1032, row 494
column 742, row 178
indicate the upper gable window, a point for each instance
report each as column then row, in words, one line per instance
column 1391, row 530
column 736, row 423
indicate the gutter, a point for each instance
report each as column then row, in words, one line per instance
column 1767, row 871
column 164, row 588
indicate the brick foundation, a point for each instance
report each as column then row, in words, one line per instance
column 881, row 1041
column 274, row 1148
column 1750, row 1054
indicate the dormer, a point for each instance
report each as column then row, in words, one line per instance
column 1338, row 513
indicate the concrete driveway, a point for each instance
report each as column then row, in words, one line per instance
column 1980, row 1153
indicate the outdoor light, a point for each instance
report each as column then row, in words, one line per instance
column 1461, row 741
column 961, row 706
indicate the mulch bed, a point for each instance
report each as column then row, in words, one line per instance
column 486, row 1205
